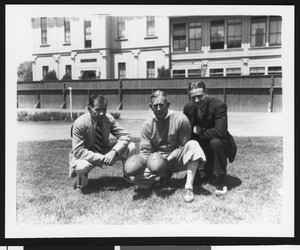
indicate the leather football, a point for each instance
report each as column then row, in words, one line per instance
column 134, row 165
column 156, row 162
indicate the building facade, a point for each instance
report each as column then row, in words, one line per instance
column 225, row 45
column 113, row 47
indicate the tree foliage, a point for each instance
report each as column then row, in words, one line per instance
column 24, row 71
column 163, row 72
column 88, row 75
column 66, row 77
column 51, row 75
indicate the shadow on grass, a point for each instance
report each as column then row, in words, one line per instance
column 107, row 183
column 231, row 182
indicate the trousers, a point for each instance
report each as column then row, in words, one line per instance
column 216, row 151
column 83, row 167
column 191, row 151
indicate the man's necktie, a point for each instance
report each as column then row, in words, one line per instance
column 99, row 140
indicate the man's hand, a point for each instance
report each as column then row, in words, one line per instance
column 197, row 130
column 110, row 158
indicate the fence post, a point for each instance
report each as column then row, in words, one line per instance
column 63, row 106
column 38, row 103
column 120, row 106
column 71, row 111
column 270, row 109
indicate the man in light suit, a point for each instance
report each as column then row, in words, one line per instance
column 90, row 141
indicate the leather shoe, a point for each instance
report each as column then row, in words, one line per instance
column 127, row 179
column 189, row 195
column 72, row 173
column 221, row 190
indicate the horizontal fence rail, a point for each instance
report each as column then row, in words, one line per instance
column 240, row 93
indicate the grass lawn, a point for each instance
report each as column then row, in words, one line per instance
column 45, row 193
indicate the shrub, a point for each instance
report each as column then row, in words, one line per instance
column 22, row 116
column 88, row 75
column 66, row 77
column 163, row 73
column 24, row 71
column 115, row 115
column 53, row 115
column 51, row 75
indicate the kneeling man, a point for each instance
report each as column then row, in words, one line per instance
column 168, row 133
column 90, row 141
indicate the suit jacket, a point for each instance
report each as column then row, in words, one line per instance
column 215, row 123
column 84, row 134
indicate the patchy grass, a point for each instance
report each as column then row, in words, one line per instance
column 45, row 194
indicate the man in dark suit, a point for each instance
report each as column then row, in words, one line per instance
column 208, row 119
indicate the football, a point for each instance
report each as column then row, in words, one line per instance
column 134, row 165
column 156, row 162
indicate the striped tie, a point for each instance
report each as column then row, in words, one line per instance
column 99, row 140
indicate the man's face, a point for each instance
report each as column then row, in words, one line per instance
column 160, row 107
column 198, row 96
column 98, row 111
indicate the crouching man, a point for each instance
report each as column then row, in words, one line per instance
column 90, row 141
column 168, row 133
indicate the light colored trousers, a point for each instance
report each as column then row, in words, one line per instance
column 83, row 167
column 191, row 151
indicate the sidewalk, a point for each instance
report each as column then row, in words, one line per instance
column 239, row 124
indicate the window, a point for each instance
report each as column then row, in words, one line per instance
column 179, row 73
column 68, row 70
column 275, row 30
column 150, row 26
column 45, row 71
column 88, row 60
column 217, row 34
column 274, row 70
column 257, row 71
column 234, row 33
column 151, row 69
column 67, row 30
column 87, row 34
column 216, row 72
column 179, row 36
column 195, row 41
column 258, row 31
column 233, row 71
column 121, row 70
column 121, row 27
column 44, row 30
column 194, row 72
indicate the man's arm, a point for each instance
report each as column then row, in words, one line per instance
column 184, row 134
column 123, row 141
column 121, row 134
column 146, row 147
column 79, row 146
column 221, row 123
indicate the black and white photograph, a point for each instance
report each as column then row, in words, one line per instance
column 149, row 121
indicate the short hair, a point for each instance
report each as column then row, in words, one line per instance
column 158, row 93
column 196, row 85
column 99, row 98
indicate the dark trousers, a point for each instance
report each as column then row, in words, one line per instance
column 216, row 151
